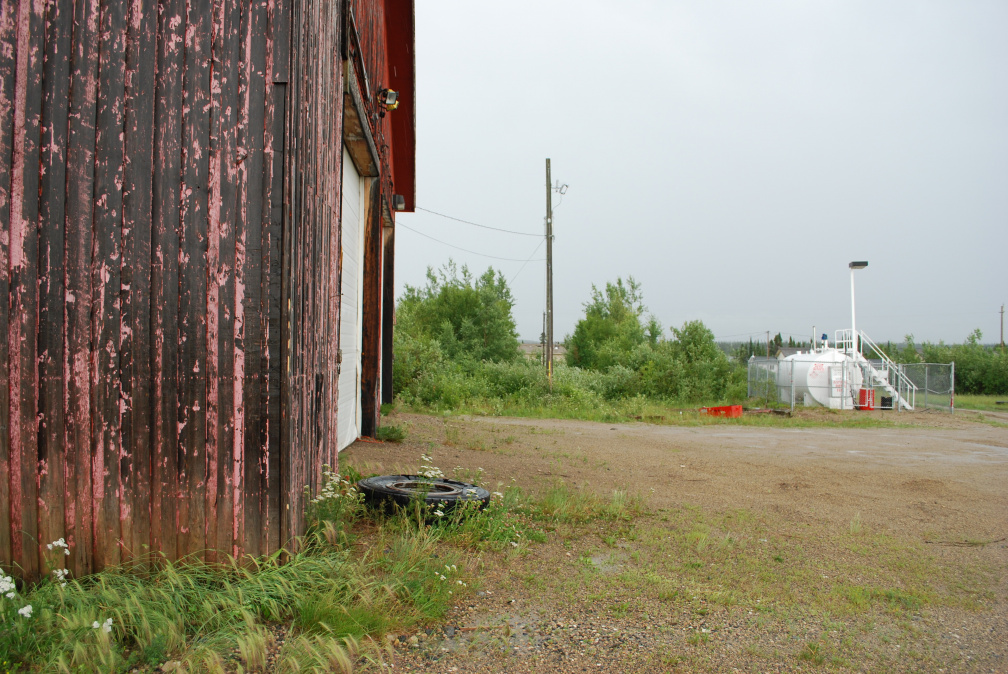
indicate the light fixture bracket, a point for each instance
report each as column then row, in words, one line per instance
column 388, row 99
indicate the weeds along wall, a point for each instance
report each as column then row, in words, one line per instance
column 169, row 268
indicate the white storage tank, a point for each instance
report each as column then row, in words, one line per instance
column 826, row 377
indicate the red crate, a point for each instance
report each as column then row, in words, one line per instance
column 730, row 411
column 866, row 399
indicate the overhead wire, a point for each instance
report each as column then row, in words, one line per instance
column 466, row 250
column 475, row 224
column 526, row 262
column 742, row 334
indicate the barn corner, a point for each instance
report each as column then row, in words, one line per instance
column 197, row 218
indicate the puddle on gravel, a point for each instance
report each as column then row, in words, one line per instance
column 514, row 633
column 997, row 448
column 608, row 563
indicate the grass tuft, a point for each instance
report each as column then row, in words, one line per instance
column 391, row 433
column 812, row 652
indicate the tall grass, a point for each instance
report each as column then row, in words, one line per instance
column 357, row 575
column 651, row 378
column 189, row 609
column 336, row 601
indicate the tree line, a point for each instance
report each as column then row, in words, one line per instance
column 456, row 345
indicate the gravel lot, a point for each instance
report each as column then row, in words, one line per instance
column 926, row 492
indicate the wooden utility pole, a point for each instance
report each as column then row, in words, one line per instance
column 767, row 343
column 549, row 274
column 542, row 343
column 1002, row 326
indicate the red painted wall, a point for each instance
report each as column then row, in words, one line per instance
column 169, row 247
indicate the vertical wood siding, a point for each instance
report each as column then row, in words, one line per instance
column 312, row 251
column 124, row 253
column 170, row 176
column 369, row 21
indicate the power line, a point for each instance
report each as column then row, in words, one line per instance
column 474, row 224
column 466, row 250
column 741, row 334
column 511, row 282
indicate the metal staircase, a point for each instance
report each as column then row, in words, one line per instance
column 880, row 371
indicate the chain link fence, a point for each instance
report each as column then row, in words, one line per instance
column 763, row 379
column 825, row 384
column 935, row 384
column 837, row 385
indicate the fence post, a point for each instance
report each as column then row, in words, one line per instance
column 926, row 368
column 899, row 387
column 792, row 386
column 952, row 388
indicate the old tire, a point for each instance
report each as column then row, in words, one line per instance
column 385, row 491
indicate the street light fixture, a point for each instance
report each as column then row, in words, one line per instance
column 857, row 264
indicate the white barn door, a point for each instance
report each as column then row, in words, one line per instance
column 348, row 421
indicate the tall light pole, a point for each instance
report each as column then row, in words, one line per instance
column 857, row 264
column 549, row 275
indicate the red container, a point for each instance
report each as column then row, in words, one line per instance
column 731, row 411
column 866, row 399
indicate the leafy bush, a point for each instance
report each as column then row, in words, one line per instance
column 979, row 369
column 614, row 357
column 611, row 327
column 470, row 318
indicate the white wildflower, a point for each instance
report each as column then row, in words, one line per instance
column 439, row 512
column 7, row 585
column 428, row 469
column 95, row 625
column 57, row 544
column 26, row 610
column 107, row 626
column 61, row 576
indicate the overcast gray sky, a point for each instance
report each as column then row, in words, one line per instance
column 731, row 156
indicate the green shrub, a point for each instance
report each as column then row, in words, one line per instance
column 979, row 369
column 615, row 357
column 469, row 317
column 390, row 433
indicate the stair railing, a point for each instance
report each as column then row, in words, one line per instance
column 905, row 389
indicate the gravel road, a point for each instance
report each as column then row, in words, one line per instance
column 933, row 485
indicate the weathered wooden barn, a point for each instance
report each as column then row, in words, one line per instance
column 197, row 205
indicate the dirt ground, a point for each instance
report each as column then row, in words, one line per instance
column 931, row 491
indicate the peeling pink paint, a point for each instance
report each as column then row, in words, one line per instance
column 18, row 226
column 246, row 317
